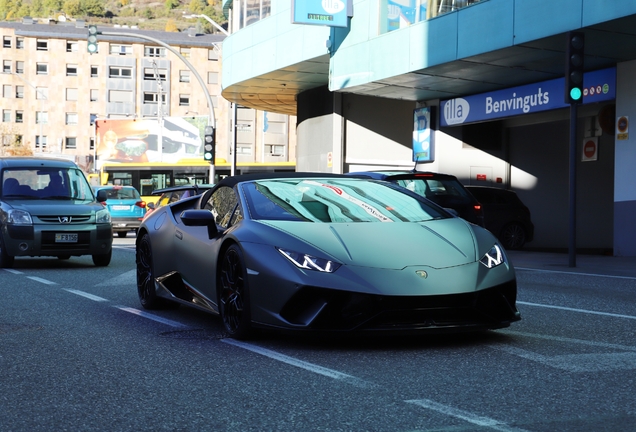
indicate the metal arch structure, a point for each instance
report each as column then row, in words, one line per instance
column 212, row 118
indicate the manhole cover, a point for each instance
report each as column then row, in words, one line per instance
column 194, row 334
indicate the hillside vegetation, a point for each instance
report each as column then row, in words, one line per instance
column 166, row 15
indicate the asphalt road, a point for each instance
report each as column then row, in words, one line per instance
column 78, row 353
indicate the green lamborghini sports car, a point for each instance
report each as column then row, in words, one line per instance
column 324, row 253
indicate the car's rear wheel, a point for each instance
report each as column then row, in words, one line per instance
column 102, row 260
column 121, row 234
column 513, row 236
column 233, row 294
column 6, row 260
column 146, row 279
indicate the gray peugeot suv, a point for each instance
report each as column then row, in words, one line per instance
column 47, row 208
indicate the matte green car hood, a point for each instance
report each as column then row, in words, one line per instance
column 392, row 245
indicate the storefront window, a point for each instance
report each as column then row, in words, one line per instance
column 251, row 11
column 397, row 14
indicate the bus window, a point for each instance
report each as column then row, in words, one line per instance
column 120, row 179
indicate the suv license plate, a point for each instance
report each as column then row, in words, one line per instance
column 65, row 238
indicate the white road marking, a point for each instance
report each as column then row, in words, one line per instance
column 13, row 271
column 577, row 310
column 300, row 363
column 128, row 278
column 464, row 415
column 87, row 295
column 152, row 317
column 44, row 281
column 569, row 340
column 575, row 273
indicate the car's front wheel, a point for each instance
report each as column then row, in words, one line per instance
column 513, row 236
column 146, row 279
column 6, row 260
column 233, row 294
column 102, row 260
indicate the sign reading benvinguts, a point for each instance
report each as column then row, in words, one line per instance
column 598, row 86
column 332, row 13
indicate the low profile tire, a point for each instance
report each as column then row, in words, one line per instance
column 6, row 260
column 513, row 236
column 121, row 234
column 146, row 279
column 233, row 294
column 102, row 260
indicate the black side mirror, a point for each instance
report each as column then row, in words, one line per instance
column 102, row 195
column 150, row 205
column 200, row 218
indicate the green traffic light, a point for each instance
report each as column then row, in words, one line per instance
column 575, row 93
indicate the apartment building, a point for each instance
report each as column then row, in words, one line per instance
column 53, row 90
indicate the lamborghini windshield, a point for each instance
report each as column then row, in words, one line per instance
column 336, row 201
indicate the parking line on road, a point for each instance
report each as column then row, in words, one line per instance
column 44, row 281
column 300, row 363
column 464, row 415
column 152, row 317
column 577, row 310
column 575, row 273
column 87, row 295
column 13, row 271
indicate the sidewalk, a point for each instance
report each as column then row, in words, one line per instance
column 588, row 264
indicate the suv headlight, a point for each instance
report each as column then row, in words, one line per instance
column 19, row 217
column 309, row 262
column 493, row 257
column 102, row 216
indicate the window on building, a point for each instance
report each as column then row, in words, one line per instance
column 19, row 117
column 71, row 143
column 275, row 150
column 6, row 42
column 42, row 68
column 41, row 117
column 42, row 93
column 184, row 100
column 94, row 71
column 213, row 77
column 6, row 66
column 6, row 140
column 71, row 70
column 243, row 150
column 6, row 116
column 19, row 92
column 42, row 45
column 6, row 91
column 120, row 72
column 94, row 95
column 120, row 96
column 184, row 76
column 72, row 46
column 119, row 49
column 149, row 74
column 72, row 94
column 71, row 118
column 93, row 118
column 153, row 98
column 150, row 51
column 213, row 55
column 185, row 52
column 19, row 43
column 19, row 67
column 40, row 141
column 91, row 143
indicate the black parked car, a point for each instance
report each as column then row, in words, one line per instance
column 443, row 189
column 505, row 215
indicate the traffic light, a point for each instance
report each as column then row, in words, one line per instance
column 208, row 143
column 574, row 68
column 92, row 39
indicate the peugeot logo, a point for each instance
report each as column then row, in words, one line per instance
column 64, row 219
column 421, row 273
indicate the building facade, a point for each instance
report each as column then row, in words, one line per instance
column 53, row 90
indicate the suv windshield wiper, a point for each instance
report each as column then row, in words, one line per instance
column 58, row 197
column 20, row 196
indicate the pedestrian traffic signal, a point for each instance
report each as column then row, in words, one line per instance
column 92, row 39
column 574, row 68
column 208, row 143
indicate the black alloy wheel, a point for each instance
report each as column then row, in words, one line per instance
column 233, row 293
column 513, row 236
column 145, row 277
column 6, row 260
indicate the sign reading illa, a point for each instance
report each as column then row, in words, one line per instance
column 332, row 13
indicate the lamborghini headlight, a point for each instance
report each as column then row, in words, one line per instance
column 19, row 217
column 309, row 262
column 102, row 216
column 493, row 257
